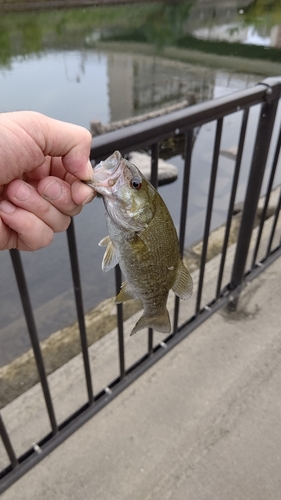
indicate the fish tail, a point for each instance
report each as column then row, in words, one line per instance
column 160, row 322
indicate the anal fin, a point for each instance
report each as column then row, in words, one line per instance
column 125, row 293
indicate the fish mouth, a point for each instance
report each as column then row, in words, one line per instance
column 105, row 174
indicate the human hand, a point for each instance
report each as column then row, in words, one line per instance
column 42, row 164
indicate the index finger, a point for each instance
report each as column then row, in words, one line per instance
column 29, row 137
column 72, row 143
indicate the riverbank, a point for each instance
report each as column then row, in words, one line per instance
column 63, row 345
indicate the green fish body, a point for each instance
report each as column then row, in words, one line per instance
column 142, row 239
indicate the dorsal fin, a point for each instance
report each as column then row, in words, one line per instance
column 183, row 286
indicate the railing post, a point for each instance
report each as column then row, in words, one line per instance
column 262, row 143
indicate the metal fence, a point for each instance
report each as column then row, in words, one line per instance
column 249, row 256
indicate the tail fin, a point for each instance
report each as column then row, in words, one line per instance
column 160, row 323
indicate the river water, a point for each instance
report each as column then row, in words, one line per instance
column 53, row 62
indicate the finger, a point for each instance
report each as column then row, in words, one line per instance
column 42, row 136
column 21, row 229
column 25, row 196
column 51, row 167
column 60, row 194
column 81, row 193
column 71, row 142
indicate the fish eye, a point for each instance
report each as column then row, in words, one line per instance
column 136, row 183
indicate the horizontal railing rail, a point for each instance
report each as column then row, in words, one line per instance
column 157, row 129
column 254, row 250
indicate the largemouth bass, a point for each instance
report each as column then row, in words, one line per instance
column 142, row 239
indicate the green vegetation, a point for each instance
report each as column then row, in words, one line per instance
column 160, row 24
column 223, row 48
column 259, row 13
column 31, row 32
column 160, row 27
column 263, row 12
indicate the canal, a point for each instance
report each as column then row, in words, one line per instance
column 108, row 64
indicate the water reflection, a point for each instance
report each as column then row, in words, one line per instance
column 249, row 22
column 139, row 84
column 79, row 86
column 67, row 85
column 50, row 61
column 235, row 32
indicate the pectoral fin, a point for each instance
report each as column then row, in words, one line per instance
column 160, row 323
column 105, row 241
column 110, row 258
column 183, row 286
column 125, row 293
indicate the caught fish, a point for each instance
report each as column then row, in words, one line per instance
column 142, row 239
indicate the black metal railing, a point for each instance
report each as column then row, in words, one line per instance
column 150, row 135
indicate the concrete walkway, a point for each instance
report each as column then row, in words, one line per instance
column 203, row 423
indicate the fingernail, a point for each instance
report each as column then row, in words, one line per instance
column 53, row 190
column 23, row 192
column 89, row 198
column 6, row 207
column 90, row 170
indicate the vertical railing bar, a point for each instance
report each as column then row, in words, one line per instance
column 185, row 188
column 276, row 216
column 26, row 304
column 7, row 443
column 72, row 247
column 209, row 211
column 189, row 140
column 154, row 165
column 266, row 201
column 120, row 325
column 260, row 153
column 176, row 314
column 150, row 341
column 232, row 196
column 154, row 182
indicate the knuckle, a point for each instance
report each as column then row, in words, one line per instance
column 64, row 224
column 8, row 239
column 43, row 239
column 76, row 211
